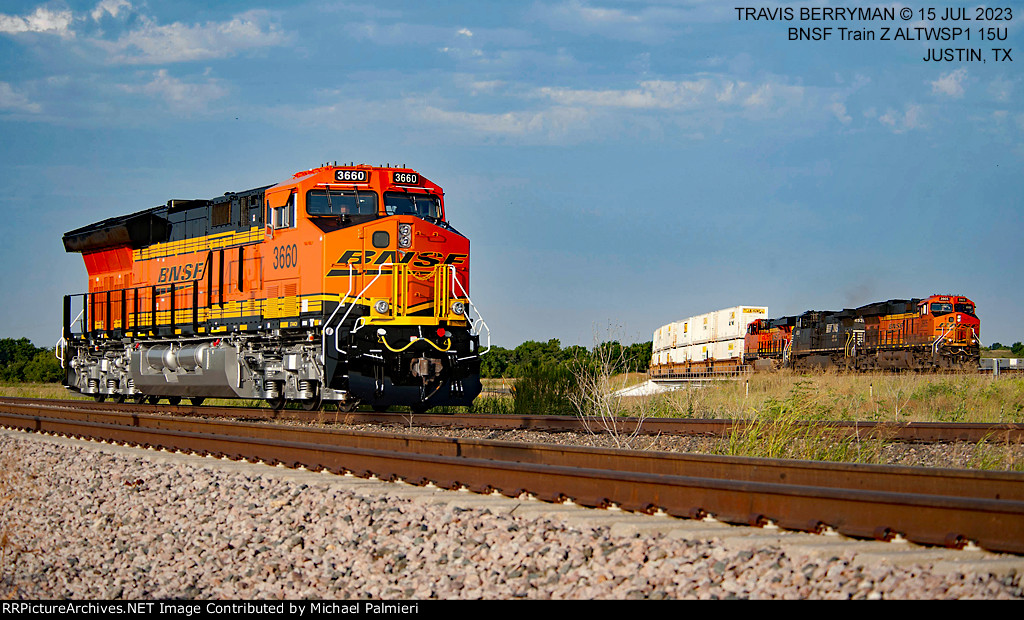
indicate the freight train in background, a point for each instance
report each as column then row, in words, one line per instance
column 341, row 285
column 938, row 332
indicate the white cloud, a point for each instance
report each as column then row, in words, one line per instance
column 839, row 110
column 659, row 21
column 703, row 92
column 178, row 42
column 179, row 95
column 547, row 123
column 466, row 32
column 109, row 7
column 1000, row 89
column 12, row 100
column 951, row 84
column 43, row 20
column 912, row 118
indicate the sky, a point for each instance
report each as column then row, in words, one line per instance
column 616, row 165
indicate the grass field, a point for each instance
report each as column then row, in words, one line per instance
column 819, row 396
column 873, row 397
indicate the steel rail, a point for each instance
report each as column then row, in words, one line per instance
column 935, row 481
column 994, row 520
column 908, row 431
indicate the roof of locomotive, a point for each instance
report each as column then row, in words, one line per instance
column 134, row 230
column 144, row 228
column 138, row 229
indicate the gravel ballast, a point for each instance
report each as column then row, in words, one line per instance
column 87, row 523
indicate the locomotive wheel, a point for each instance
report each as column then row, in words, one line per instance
column 174, row 400
column 99, row 397
column 311, row 404
column 276, row 403
column 139, row 399
column 152, row 399
column 348, row 407
column 120, row 398
column 197, row 400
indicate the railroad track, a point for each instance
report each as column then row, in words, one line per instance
column 909, row 431
column 951, row 508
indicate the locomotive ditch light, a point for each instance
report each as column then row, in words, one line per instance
column 382, row 306
column 458, row 307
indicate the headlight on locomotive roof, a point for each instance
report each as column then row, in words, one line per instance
column 458, row 308
column 404, row 235
column 381, row 306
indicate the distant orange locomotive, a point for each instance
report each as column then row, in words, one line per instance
column 344, row 284
column 941, row 331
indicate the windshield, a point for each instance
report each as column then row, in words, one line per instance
column 402, row 203
column 938, row 309
column 340, row 202
column 965, row 308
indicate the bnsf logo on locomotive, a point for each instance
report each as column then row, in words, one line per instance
column 416, row 259
column 181, row 273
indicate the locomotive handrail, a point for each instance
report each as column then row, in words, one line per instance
column 324, row 334
column 935, row 345
column 380, row 272
column 61, row 345
column 480, row 317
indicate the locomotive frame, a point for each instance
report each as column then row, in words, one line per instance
column 344, row 284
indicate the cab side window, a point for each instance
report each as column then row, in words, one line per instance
column 283, row 216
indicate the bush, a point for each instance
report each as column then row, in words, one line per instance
column 544, row 389
column 21, row 362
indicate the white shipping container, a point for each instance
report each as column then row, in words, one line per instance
column 749, row 314
column 659, row 339
column 732, row 322
column 698, row 352
column 727, row 324
column 729, row 349
column 688, row 340
column 701, row 329
column 682, row 333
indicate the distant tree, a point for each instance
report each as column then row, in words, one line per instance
column 44, row 368
column 638, row 356
column 1017, row 348
column 21, row 361
column 496, row 362
column 533, row 356
column 996, row 345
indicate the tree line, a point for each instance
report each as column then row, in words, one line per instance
column 1016, row 348
column 532, row 355
column 21, row 361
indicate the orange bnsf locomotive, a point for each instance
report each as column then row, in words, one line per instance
column 940, row 332
column 342, row 285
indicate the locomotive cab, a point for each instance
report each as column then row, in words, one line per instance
column 951, row 322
